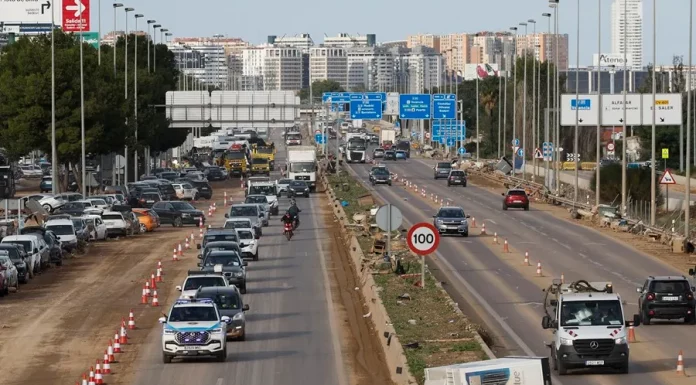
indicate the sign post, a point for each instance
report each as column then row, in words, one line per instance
column 423, row 238
column 667, row 179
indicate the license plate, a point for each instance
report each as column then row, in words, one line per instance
column 594, row 363
column 517, row 201
column 150, row 201
column 670, row 298
column 200, row 347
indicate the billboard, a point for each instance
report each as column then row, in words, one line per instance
column 91, row 38
column 75, row 15
column 612, row 59
column 471, row 71
column 30, row 12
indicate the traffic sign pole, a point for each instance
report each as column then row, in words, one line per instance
column 423, row 239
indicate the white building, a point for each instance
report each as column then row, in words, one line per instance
column 328, row 63
column 417, row 69
column 370, row 68
column 632, row 17
column 282, row 69
column 345, row 40
column 253, row 62
column 302, row 41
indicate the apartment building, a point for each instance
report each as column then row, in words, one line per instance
column 302, row 41
column 328, row 63
column 282, row 69
column 628, row 14
column 543, row 47
column 417, row 69
column 425, row 40
column 456, row 51
column 345, row 40
column 370, row 68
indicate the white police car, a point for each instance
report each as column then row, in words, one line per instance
column 194, row 328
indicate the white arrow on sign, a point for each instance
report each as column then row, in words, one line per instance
column 78, row 7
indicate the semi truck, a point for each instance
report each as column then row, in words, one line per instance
column 356, row 150
column 387, row 138
column 500, row 371
column 302, row 165
column 589, row 331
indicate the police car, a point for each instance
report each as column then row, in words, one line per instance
column 194, row 328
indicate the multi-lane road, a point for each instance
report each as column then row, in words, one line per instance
column 507, row 296
column 292, row 335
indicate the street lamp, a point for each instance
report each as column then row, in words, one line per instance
column 168, row 35
column 162, row 33
column 687, row 208
column 54, row 150
column 148, row 43
column 547, row 48
column 99, row 32
column 154, row 46
column 524, row 102
column 534, row 117
column 82, row 106
column 116, row 5
column 135, row 96
column 556, row 98
column 125, row 88
column 599, row 97
column 577, row 109
column 514, row 97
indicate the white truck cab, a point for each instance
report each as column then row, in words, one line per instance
column 587, row 319
column 302, row 165
column 194, row 328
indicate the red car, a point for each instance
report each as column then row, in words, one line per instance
column 516, row 198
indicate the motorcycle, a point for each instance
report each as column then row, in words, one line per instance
column 288, row 230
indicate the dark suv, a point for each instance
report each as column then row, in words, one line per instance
column 516, row 198
column 456, row 177
column 442, row 170
column 667, row 297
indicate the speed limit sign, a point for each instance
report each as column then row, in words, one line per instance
column 423, row 238
column 610, row 146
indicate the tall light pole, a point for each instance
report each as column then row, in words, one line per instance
column 162, row 32
column 167, row 36
column 500, row 93
column 148, row 42
column 99, row 32
column 547, row 48
column 599, row 97
column 687, row 207
column 534, row 85
column 514, row 97
column 653, row 204
column 125, row 76
column 507, row 75
column 82, row 105
column 625, row 134
column 154, row 47
column 524, row 103
column 577, row 107
column 135, row 96
column 116, row 5
column 556, row 97
column 54, row 149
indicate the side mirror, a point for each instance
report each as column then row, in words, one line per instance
column 553, row 302
column 178, row 288
column 434, row 216
column 227, row 215
column 162, row 320
column 199, row 264
column 198, row 246
column 468, row 216
column 503, row 194
column 245, row 307
column 546, row 322
column 225, row 319
column 245, row 263
column 639, row 290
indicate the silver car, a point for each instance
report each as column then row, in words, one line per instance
column 451, row 220
column 250, row 211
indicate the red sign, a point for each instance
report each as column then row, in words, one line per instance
column 423, row 238
column 667, row 178
column 73, row 21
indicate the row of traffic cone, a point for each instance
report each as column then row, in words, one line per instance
column 150, row 286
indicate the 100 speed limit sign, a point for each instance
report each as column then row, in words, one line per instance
column 423, row 238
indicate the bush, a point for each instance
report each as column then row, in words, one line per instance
column 637, row 184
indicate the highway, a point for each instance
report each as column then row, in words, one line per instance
column 291, row 334
column 508, row 296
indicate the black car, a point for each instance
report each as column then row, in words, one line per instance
column 178, row 213
column 456, row 178
column 214, row 173
column 229, row 303
column 378, row 153
column 148, row 199
column 667, row 297
column 380, row 175
column 204, row 189
column 231, row 264
column 75, row 209
column 20, row 259
column 167, row 191
column 223, row 245
column 55, row 251
column 297, row 188
column 390, row 155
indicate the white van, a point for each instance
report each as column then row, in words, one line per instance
column 31, row 245
column 65, row 230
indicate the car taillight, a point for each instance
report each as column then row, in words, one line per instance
column 689, row 295
column 452, row 178
column 650, row 297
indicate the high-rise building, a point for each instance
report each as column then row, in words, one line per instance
column 345, row 40
column 302, row 41
column 543, row 47
column 417, row 69
column 328, row 63
column 628, row 14
column 456, row 51
column 282, row 69
column 426, row 40
column 370, row 69
column 253, row 61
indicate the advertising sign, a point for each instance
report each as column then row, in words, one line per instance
column 612, row 59
column 91, row 38
column 76, row 15
column 30, row 12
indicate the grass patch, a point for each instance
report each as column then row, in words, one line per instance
column 432, row 332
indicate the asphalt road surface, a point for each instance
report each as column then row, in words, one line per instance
column 291, row 336
column 508, row 296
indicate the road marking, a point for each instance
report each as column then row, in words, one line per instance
column 220, row 381
column 490, row 220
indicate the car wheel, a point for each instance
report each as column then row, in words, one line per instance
column 465, row 234
column 690, row 320
column 143, row 229
column 59, row 263
column 47, row 207
column 242, row 337
column 504, row 207
column 222, row 357
column 464, row 184
column 177, row 222
column 166, row 359
column 242, row 289
column 526, row 208
column 256, row 256
column 26, row 278
column 644, row 318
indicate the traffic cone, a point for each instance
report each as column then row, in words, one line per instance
column 200, row 223
column 110, row 352
column 179, row 251
column 225, row 195
column 200, row 233
column 131, row 320
column 143, row 298
column 147, row 288
column 159, row 267
column 91, row 376
column 155, row 300
column 563, row 280
column 473, row 222
column 483, row 229
column 214, row 206
column 538, row 271
column 526, row 258
column 187, row 245
column 495, row 238
column 84, row 379
column 158, row 278
column 99, row 379
column 117, row 344
column 680, row 363
column 210, row 227
column 193, row 239
column 107, row 365
column 153, row 283
column 631, row 334
column 506, row 247
column 175, row 257
column 123, row 336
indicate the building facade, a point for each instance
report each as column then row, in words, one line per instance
column 426, row 40
column 370, row 69
column 282, row 69
column 345, row 40
column 328, row 63
column 542, row 46
column 628, row 15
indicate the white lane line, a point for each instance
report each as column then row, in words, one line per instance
column 220, row 381
column 492, row 221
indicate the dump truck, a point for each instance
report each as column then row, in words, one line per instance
column 266, row 152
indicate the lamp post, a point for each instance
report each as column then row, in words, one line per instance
column 54, row 149
column 625, row 136
column 82, row 106
column 687, row 208
column 556, row 98
column 524, row 103
column 534, row 85
column 514, row 98
column 125, row 89
column 577, row 109
column 162, row 32
column 148, row 43
column 116, row 5
column 547, row 48
column 653, row 204
column 135, row 97
column 154, row 46
column 599, row 97
column 167, row 35
column 98, row 32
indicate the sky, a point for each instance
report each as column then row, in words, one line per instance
column 396, row 19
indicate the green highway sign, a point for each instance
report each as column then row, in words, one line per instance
column 91, row 38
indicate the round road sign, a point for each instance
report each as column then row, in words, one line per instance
column 610, row 146
column 423, row 238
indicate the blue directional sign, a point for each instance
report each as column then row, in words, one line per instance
column 547, row 151
column 366, row 109
column 319, row 138
column 462, row 150
column 337, row 107
column 520, row 152
column 397, row 124
column 336, row 97
column 451, row 141
column 368, row 96
column 415, row 106
column 580, row 104
column 443, row 129
column 444, row 106
column 515, row 142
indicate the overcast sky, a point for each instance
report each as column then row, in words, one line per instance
column 395, row 19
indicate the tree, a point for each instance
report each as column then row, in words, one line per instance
column 318, row 88
column 637, row 184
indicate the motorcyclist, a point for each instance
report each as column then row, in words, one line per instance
column 287, row 218
column 294, row 211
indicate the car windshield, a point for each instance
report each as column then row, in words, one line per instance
column 260, row 160
column 111, row 217
column 381, row 171
column 225, row 260
column 444, row 165
column 297, row 183
column 591, row 313
column 237, row 225
column 13, row 253
column 151, row 196
column 26, row 244
column 457, row 173
column 451, row 213
column 99, row 202
column 221, row 237
column 194, row 283
column 379, row 150
column 243, row 211
column 245, row 234
column 193, row 314
column 262, row 190
column 517, row 192
column 284, row 181
column 302, row 167
column 257, row 199
column 182, row 206
column 294, row 136
column 670, row 287
column 61, row 229
column 224, row 301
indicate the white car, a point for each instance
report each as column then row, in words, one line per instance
column 248, row 243
column 268, row 189
column 194, row 327
column 242, row 223
column 200, row 279
column 49, row 202
column 33, row 247
column 65, row 230
column 99, row 203
column 98, row 227
column 116, row 225
column 31, row 171
column 184, row 191
column 91, row 208
column 281, row 186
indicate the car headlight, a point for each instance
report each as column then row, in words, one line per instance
column 239, row 274
column 566, row 342
column 620, row 341
column 185, row 215
column 215, row 331
column 438, row 221
column 238, row 316
column 464, row 222
column 169, row 331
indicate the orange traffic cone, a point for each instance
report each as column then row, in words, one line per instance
column 631, row 334
column 563, row 281
column 680, row 363
column 131, row 320
column 473, row 222
column 123, row 336
column 158, row 278
column 84, row 379
column 153, row 281
column 538, row 271
column 98, row 378
column 506, row 247
column 155, row 300
column 175, row 257
column 225, row 195
column 179, row 251
column 110, row 352
column 200, row 232
column 186, row 244
column 159, row 266
column 117, row 344
column 495, row 238
column 483, row 229
column 143, row 298
column 107, row 365
column 91, row 375
column 147, row 288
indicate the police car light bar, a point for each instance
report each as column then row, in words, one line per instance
column 194, row 300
